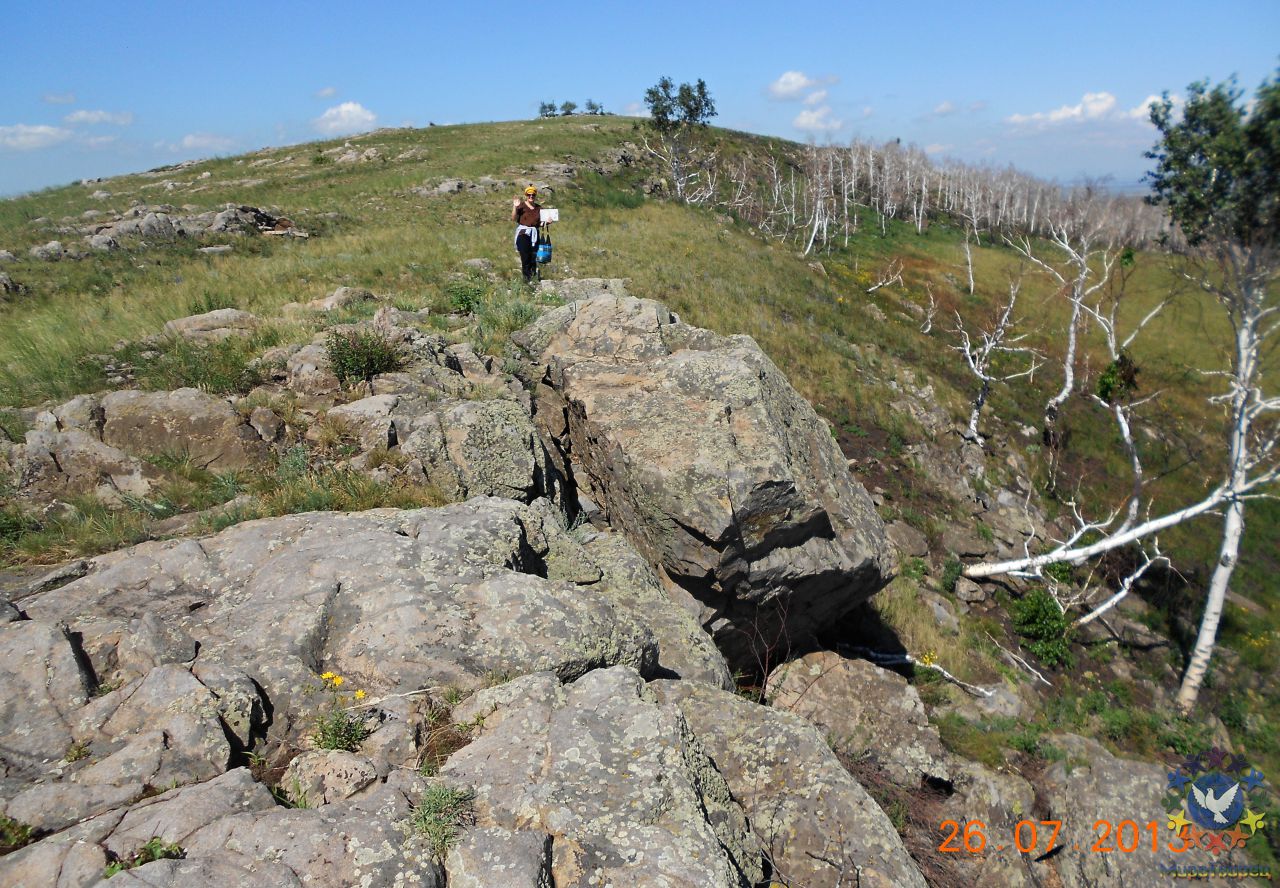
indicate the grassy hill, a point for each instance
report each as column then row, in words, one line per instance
column 379, row 223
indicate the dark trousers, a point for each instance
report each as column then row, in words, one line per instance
column 528, row 255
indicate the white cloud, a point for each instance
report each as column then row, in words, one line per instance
column 944, row 109
column 97, row 142
column 349, row 117
column 816, row 98
column 206, row 142
column 1093, row 106
column 124, row 118
column 59, row 98
column 975, row 107
column 25, row 137
column 791, row 84
column 1143, row 111
column 817, row 120
column 937, row 148
column 867, row 111
column 326, row 92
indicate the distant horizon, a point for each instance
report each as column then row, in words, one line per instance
column 1126, row 188
column 1062, row 94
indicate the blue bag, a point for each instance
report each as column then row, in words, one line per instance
column 544, row 248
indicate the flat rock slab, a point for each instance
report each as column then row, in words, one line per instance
column 393, row 600
column 697, row 447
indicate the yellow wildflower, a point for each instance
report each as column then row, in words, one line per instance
column 325, row 676
column 337, row 681
column 360, row 695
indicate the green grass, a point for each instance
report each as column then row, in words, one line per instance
column 14, row 835
column 440, row 814
column 154, row 849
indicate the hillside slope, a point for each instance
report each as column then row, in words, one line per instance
column 419, row 219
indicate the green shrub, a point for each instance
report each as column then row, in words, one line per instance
column 1039, row 620
column 156, row 848
column 294, row 463
column 1059, row 570
column 440, row 813
column 341, row 730
column 466, row 294
column 1119, row 380
column 914, row 569
column 360, row 355
column 951, row 572
column 14, row 835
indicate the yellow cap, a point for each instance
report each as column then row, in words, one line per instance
column 531, row 190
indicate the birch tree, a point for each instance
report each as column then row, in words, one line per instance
column 1218, row 174
column 676, row 115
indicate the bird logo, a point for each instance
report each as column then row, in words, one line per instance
column 1215, row 807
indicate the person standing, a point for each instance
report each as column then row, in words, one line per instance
column 526, row 212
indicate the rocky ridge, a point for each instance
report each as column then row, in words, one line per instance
column 583, row 670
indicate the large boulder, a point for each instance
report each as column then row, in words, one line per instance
column 212, row 326
column 395, row 601
column 617, row 780
column 697, row 447
column 58, row 464
column 201, row 426
column 866, row 712
column 817, row 824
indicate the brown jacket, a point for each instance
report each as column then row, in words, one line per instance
column 527, row 216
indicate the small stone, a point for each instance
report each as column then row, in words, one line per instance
column 267, row 424
column 970, row 592
column 326, row 776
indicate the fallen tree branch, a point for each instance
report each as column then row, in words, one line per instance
column 905, row 659
column 1018, row 661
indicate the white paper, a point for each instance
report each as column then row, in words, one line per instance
column 549, row 215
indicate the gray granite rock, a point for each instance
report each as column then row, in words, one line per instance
column 866, row 711
column 615, row 777
column 815, row 821
column 697, row 447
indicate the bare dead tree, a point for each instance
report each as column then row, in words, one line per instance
column 993, row 342
column 890, row 274
column 1086, row 254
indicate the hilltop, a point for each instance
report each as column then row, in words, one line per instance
column 285, row 252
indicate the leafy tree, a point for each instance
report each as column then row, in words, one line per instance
column 594, row 107
column 568, row 108
column 1218, row 174
column 676, row 114
column 547, row 109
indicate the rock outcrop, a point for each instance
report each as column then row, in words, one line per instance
column 817, row 825
column 696, row 447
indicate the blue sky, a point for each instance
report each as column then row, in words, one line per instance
column 1054, row 89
